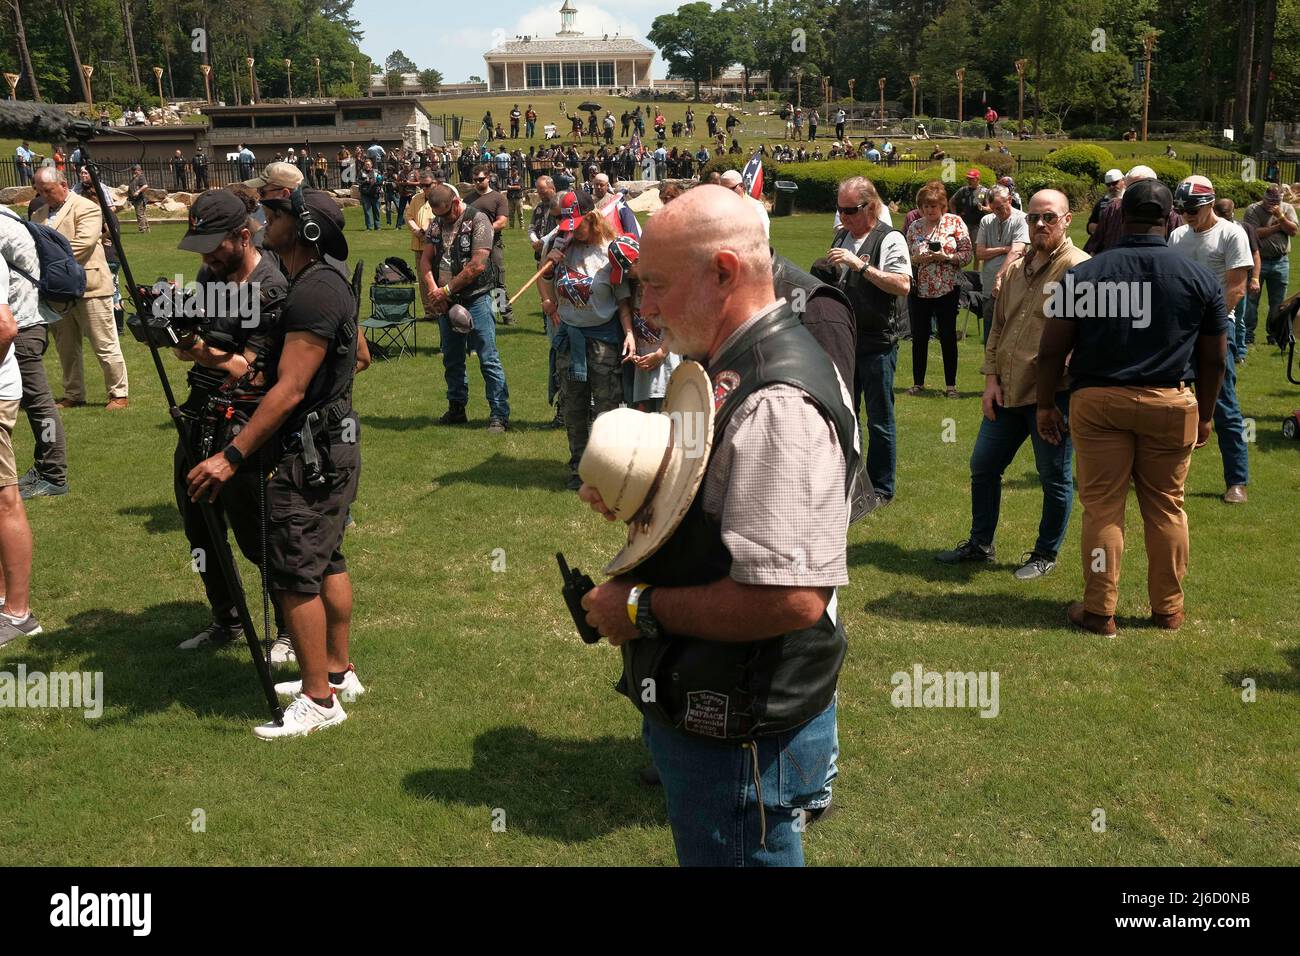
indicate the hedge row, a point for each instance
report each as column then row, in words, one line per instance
column 819, row 182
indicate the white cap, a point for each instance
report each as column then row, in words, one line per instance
column 1139, row 173
column 1113, row 176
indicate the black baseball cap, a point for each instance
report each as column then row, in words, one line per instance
column 1147, row 201
column 214, row 215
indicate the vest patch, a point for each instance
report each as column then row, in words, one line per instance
column 723, row 385
column 706, row 713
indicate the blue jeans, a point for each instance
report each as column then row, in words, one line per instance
column 718, row 816
column 1228, row 425
column 483, row 340
column 370, row 207
column 996, row 446
column 873, row 381
column 1273, row 277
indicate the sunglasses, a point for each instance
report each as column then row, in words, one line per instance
column 852, row 210
column 1047, row 218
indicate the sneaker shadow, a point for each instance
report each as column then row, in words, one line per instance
column 562, row 789
column 917, row 562
column 144, row 673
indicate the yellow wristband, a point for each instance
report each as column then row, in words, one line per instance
column 633, row 599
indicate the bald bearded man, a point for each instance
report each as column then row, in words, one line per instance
column 746, row 585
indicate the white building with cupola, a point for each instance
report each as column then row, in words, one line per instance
column 569, row 61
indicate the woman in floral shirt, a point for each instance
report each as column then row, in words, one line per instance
column 940, row 245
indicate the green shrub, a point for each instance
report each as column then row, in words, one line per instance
column 1095, row 131
column 819, row 182
column 1081, row 191
column 1171, row 172
column 1082, row 159
column 1241, row 192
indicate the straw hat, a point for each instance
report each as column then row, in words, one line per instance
column 648, row 466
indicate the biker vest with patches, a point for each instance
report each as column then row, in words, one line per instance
column 457, row 251
column 728, row 690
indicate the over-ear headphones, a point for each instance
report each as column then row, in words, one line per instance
column 308, row 228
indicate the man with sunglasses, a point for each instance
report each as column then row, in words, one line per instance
column 454, row 270
column 1011, row 394
column 496, row 206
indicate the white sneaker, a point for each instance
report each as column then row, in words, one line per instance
column 349, row 689
column 282, row 650
column 304, row 716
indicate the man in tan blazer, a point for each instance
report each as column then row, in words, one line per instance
column 81, row 221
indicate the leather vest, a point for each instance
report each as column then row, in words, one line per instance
column 740, row 690
column 458, row 250
column 875, row 310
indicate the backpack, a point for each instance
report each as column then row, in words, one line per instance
column 63, row 278
column 393, row 271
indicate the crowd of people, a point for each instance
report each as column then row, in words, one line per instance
column 799, row 362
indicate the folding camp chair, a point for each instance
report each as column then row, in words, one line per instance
column 390, row 329
column 971, row 298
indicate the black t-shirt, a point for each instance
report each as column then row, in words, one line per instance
column 494, row 205
column 320, row 302
column 259, row 330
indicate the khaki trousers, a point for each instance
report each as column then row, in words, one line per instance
column 1142, row 435
column 92, row 318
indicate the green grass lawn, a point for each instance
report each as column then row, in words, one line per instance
column 482, row 697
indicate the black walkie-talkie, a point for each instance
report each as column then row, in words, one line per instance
column 576, row 584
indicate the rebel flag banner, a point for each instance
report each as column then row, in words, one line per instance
column 752, row 176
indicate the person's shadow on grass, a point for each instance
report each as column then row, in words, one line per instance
column 508, row 472
column 143, row 671
column 1287, row 681
column 983, row 610
column 563, row 789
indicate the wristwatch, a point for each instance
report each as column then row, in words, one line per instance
column 639, row 610
column 233, row 455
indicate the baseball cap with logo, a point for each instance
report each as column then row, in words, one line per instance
column 278, row 176
column 573, row 206
column 214, row 215
column 623, row 254
column 325, row 212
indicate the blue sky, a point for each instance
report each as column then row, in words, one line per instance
column 452, row 35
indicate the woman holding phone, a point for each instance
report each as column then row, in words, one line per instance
column 940, row 245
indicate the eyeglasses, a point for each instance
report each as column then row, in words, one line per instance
column 1047, row 218
column 480, row 179
column 852, row 210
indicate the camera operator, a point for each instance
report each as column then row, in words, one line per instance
column 318, row 459
column 228, row 377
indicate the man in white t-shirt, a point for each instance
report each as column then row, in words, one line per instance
column 876, row 274
column 16, row 618
column 1002, row 238
column 1222, row 247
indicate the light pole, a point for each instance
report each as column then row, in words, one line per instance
column 1020, row 117
column 852, row 83
column 288, row 75
column 87, row 70
column 251, row 87
column 12, row 79
column 881, row 83
column 316, row 60
column 961, row 82
column 915, row 79
column 157, row 75
column 206, row 70
column 1148, row 43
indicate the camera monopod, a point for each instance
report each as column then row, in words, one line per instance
column 84, row 132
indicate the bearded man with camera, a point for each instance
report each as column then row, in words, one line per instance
column 240, row 292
